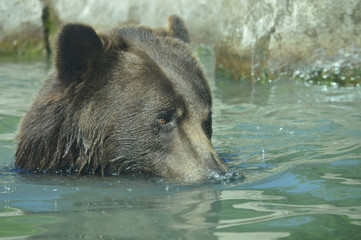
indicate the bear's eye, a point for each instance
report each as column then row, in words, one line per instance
column 162, row 120
column 165, row 118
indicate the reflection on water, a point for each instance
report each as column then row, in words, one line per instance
column 137, row 214
column 14, row 224
column 276, row 210
column 298, row 146
column 109, row 207
column 344, row 180
column 251, row 235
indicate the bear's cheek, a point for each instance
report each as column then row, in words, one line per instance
column 188, row 155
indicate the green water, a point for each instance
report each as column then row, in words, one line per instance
column 297, row 145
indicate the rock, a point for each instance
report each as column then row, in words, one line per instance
column 286, row 35
column 21, row 26
column 250, row 38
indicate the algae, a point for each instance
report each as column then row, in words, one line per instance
column 223, row 73
column 50, row 23
column 346, row 76
column 341, row 77
column 26, row 49
column 29, row 47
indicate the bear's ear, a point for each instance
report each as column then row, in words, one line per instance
column 178, row 28
column 78, row 48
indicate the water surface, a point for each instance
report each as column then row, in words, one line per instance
column 297, row 145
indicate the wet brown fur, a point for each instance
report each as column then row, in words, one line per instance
column 97, row 111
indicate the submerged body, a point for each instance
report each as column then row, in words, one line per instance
column 131, row 100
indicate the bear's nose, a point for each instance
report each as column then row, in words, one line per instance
column 232, row 174
column 228, row 176
column 221, row 170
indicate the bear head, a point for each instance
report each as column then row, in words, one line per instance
column 131, row 100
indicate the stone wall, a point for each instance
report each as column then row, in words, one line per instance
column 249, row 37
column 21, row 26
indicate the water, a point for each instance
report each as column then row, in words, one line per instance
column 297, row 145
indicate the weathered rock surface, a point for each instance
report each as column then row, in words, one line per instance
column 21, row 26
column 281, row 35
column 249, row 37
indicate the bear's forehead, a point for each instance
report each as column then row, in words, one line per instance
column 164, row 62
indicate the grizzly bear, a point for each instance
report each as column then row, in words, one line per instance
column 130, row 100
